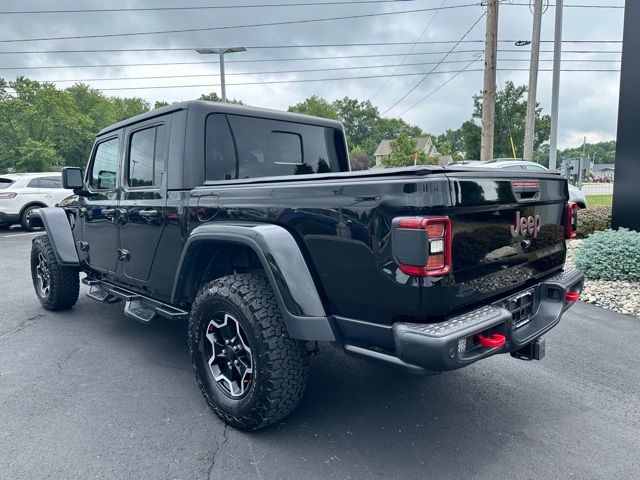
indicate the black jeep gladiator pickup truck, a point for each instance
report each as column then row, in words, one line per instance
column 249, row 224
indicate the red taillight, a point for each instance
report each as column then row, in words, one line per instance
column 7, row 195
column 572, row 296
column 571, row 220
column 435, row 245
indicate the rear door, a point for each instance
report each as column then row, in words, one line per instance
column 143, row 200
column 51, row 190
column 100, row 208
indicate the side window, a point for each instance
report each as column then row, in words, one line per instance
column 249, row 147
column 286, row 146
column 34, row 183
column 146, row 157
column 220, row 152
column 535, row 168
column 105, row 165
column 51, row 182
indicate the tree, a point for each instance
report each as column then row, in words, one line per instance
column 316, row 106
column 47, row 116
column 160, row 104
column 213, row 97
column 129, row 107
column 37, row 156
column 405, row 152
column 511, row 110
column 359, row 119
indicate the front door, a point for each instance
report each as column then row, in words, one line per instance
column 100, row 207
column 143, row 200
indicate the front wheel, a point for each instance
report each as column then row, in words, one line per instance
column 57, row 286
column 250, row 371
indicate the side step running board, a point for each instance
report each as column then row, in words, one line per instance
column 138, row 307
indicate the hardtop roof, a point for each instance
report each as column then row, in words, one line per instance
column 203, row 107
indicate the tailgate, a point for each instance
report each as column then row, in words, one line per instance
column 507, row 231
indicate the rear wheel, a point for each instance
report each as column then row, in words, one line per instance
column 57, row 286
column 250, row 371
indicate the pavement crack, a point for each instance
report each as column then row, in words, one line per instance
column 217, row 449
column 68, row 356
column 22, row 325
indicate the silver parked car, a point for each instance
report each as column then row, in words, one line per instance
column 575, row 194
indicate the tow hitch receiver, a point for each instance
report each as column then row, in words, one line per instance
column 532, row 351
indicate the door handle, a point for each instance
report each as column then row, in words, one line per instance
column 149, row 213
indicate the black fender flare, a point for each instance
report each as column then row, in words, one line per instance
column 58, row 229
column 285, row 267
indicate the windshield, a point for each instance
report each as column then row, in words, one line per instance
column 5, row 182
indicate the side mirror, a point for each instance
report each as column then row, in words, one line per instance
column 72, row 178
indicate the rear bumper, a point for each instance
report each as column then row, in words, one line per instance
column 520, row 318
column 453, row 343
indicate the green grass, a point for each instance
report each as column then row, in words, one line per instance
column 599, row 200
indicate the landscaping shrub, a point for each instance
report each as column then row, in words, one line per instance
column 610, row 255
column 593, row 219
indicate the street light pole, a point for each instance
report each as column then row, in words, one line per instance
column 221, row 52
column 223, row 88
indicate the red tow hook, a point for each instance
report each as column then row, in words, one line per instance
column 572, row 296
column 494, row 341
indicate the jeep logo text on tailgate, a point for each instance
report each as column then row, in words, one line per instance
column 530, row 225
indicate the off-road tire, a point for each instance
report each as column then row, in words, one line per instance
column 64, row 286
column 280, row 363
column 24, row 219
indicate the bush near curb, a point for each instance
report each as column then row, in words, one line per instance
column 594, row 219
column 610, row 255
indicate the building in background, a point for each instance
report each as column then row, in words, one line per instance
column 424, row 144
column 603, row 171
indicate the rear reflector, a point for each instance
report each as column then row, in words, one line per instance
column 422, row 245
column 571, row 220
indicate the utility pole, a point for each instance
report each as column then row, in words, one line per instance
column 555, row 92
column 530, row 127
column 489, row 91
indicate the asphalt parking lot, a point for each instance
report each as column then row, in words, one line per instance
column 91, row 394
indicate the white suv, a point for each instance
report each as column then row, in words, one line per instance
column 21, row 193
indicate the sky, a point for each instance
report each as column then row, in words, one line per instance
column 588, row 100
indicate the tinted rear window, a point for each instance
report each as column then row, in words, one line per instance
column 5, row 182
column 249, row 147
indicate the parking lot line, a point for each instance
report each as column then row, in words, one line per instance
column 20, row 234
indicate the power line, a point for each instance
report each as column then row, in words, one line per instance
column 266, row 5
column 202, row 7
column 432, row 92
column 434, row 68
column 412, row 49
column 232, row 27
column 305, row 46
column 329, row 69
column 309, row 70
column 295, row 59
column 270, row 82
